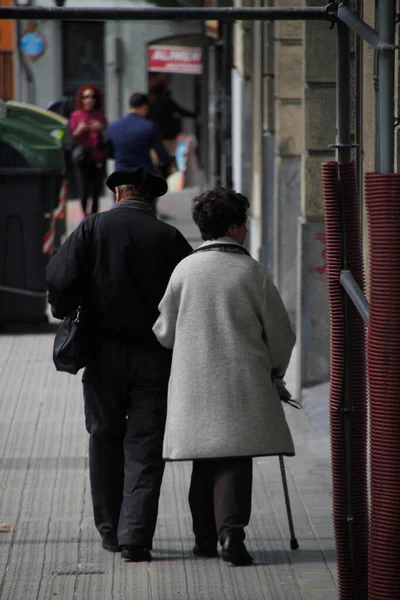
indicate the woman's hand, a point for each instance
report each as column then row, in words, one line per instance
column 96, row 125
column 81, row 128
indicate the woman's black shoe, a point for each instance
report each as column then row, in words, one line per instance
column 205, row 551
column 136, row 554
column 235, row 552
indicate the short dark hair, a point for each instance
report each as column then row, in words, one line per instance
column 216, row 210
column 137, row 192
column 138, row 100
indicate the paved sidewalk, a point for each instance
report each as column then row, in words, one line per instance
column 53, row 550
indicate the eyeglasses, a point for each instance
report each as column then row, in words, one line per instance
column 88, row 96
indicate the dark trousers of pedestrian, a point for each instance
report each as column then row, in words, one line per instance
column 125, row 392
column 90, row 176
column 220, row 499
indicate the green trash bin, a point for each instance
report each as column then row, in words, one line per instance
column 55, row 125
column 31, row 179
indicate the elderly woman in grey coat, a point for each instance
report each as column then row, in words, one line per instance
column 232, row 342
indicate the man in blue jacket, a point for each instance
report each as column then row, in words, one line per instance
column 130, row 139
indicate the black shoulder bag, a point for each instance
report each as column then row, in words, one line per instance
column 71, row 347
column 79, row 154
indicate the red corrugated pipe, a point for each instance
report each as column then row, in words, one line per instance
column 344, row 249
column 383, row 353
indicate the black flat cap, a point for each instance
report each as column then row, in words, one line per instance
column 156, row 184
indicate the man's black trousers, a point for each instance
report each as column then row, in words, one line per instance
column 125, row 392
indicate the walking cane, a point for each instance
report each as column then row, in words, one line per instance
column 293, row 540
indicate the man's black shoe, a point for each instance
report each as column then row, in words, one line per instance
column 209, row 551
column 110, row 545
column 235, row 552
column 136, row 554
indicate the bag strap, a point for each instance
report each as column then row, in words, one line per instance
column 90, row 245
column 91, row 253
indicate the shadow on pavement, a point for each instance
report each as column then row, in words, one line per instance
column 280, row 557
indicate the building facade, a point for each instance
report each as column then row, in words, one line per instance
column 113, row 55
column 284, row 81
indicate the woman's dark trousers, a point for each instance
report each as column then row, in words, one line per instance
column 90, row 178
column 125, row 391
column 220, row 499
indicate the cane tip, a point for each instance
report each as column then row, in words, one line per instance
column 294, row 544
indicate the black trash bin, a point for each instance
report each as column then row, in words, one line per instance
column 26, row 196
column 32, row 172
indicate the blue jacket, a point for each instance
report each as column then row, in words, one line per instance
column 129, row 141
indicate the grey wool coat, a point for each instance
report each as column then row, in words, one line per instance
column 229, row 329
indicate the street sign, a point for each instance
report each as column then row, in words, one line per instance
column 32, row 44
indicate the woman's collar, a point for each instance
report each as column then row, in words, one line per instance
column 226, row 239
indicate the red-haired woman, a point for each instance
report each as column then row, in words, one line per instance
column 88, row 125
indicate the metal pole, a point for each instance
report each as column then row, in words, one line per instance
column 376, row 90
column 359, row 300
column 24, row 63
column 204, row 105
column 357, row 25
column 257, row 123
column 145, row 13
column 343, row 98
column 359, row 98
column 386, row 30
column 268, row 232
column 344, row 157
column 226, row 102
column 212, row 116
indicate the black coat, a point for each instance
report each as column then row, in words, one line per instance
column 120, row 263
column 164, row 113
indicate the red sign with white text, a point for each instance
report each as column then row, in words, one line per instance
column 175, row 59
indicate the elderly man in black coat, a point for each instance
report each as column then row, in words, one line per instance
column 117, row 264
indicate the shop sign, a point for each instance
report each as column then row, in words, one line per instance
column 175, row 59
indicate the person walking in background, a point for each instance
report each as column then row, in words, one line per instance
column 119, row 262
column 232, row 341
column 165, row 112
column 88, row 126
column 130, row 139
